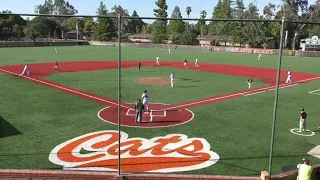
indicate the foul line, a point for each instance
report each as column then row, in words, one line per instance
column 63, row 88
column 265, row 89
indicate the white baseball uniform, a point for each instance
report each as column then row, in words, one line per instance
column 145, row 100
column 289, row 77
column 259, row 57
column 169, row 51
column 26, row 69
column 172, row 79
column 196, row 64
column 56, row 50
column 158, row 61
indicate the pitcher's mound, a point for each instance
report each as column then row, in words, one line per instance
column 153, row 80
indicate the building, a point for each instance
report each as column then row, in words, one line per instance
column 310, row 44
column 144, row 38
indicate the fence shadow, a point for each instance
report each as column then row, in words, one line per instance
column 7, row 129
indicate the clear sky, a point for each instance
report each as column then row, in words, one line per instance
column 143, row 7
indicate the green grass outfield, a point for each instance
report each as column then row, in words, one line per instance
column 34, row 119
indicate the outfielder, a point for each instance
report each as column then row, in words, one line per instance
column 172, row 79
column 289, row 77
column 145, row 100
column 249, row 81
column 157, row 60
column 259, row 57
column 303, row 119
column 196, row 64
column 169, row 51
column 26, row 69
column 56, row 49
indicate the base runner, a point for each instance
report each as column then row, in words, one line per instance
column 185, row 63
column 56, row 67
column 26, row 69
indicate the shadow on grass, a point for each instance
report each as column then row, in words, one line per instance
column 6, row 129
column 187, row 86
column 188, row 79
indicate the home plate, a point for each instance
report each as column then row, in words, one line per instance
column 315, row 152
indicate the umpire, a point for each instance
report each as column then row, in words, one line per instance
column 139, row 107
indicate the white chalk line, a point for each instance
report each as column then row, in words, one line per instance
column 264, row 89
column 314, row 91
column 62, row 88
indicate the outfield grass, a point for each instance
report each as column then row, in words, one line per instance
column 239, row 130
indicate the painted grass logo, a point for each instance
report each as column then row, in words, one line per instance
column 99, row 151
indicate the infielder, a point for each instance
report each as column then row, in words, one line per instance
column 26, row 69
column 249, row 81
column 56, row 67
column 139, row 66
column 157, row 60
column 196, row 64
column 259, row 57
column 303, row 119
column 289, row 77
column 185, row 63
column 145, row 100
column 172, row 79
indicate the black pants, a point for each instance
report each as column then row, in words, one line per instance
column 138, row 115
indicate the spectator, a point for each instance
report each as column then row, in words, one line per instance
column 304, row 170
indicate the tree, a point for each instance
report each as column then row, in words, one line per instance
column 203, row 15
column 88, row 24
column 135, row 25
column 176, row 26
column 159, row 33
column 188, row 11
column 238, row 28
column 116, row 10
column 11, row 26
column 104, row 30
column 147, row 29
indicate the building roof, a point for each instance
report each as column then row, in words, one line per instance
column 144, row 36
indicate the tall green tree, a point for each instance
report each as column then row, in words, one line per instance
column 159, row 32
column 11, row 26
column 176, row 26
column 201, row 23
column 135, row 25
column 104, row 29
column 188, row 11
column 239, row 35
column 115, row 11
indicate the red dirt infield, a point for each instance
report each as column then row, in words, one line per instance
column 39, row 71
column 158, row 118
column 153, row 80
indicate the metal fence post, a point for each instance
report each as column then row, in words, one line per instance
column 119, row 91
column 276, row 98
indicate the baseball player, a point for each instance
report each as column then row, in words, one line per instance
column 169, row 51
column 56, row 67
column 259, row 57
column 145, row 100
column 249, row 81
column 139, row 66
column 185, row 63
column 139, row 108
column 196, row 64
column 172, row 79
column 157, row 60
column 303, row 119
column 26, row 69
column 289, row 77
column 56, row 49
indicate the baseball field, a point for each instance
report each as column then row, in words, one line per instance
column 209, row 123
